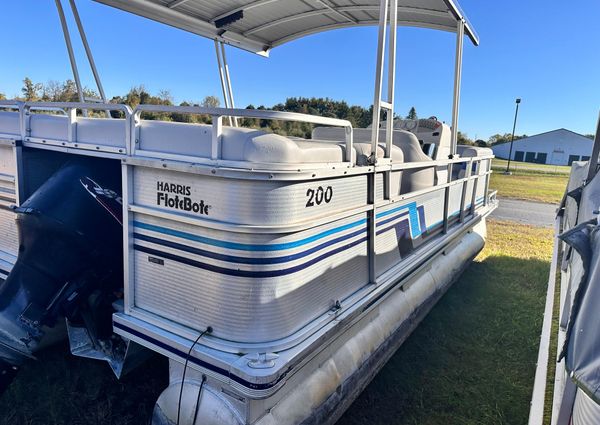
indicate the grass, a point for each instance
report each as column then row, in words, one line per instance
column 553, row 350
column 530, row 168
column 472, row 360
column 540, row 188
column 530, row 182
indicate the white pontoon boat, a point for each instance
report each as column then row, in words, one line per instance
column 277, row 274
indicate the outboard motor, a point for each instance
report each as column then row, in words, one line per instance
column 70, row 261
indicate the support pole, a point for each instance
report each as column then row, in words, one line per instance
column 378, row 79
column 88, row 52
column 228, row 81
column 65, row 28
column 378, row 105
column 460, row 35
column 222, row 78
column 391, row 76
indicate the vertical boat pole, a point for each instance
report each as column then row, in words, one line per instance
column 391, row 76
column 379, row 104
column 222, row 78
column 88, row 52
column 460, row 35
column 65, row 29
column 228, row 81
column 391, row 84
column 378, row 79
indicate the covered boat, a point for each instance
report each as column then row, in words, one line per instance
column 277, row 274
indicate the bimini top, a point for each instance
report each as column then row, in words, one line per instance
column 260, row 25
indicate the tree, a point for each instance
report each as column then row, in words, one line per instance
column 463, row 139
column 30, row 90
column 503, row 138
column 412, row 114
column 2, row 96
column 211, row 102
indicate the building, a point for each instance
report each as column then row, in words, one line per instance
column 557, row 147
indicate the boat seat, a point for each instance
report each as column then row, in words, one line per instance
column 415, row 179
column 406, row 141
column 237, row 144
column 363, row 152
column 466, row 151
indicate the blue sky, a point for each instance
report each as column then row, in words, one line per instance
column 542, row 51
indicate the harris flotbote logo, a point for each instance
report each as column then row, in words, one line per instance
column 178, row 196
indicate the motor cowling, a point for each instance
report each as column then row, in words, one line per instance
column 70, row 251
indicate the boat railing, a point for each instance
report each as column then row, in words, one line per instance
column 217, row 115
column 120, row 131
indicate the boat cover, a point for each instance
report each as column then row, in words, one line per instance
column 259, row 25
column 582, row 345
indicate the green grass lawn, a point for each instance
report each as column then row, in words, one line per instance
column 529, row 168
column 530, row 182
column 541, row 188
column 472, row 360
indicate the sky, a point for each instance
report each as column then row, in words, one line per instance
column 544, row 52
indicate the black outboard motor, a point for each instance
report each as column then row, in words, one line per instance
column 70, row 260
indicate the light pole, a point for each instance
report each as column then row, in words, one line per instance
column 512, row 138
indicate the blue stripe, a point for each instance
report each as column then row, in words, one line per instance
column 243, row 246
column 245, row 260
column 415, row 227
column 389, row 220
column 259, row 274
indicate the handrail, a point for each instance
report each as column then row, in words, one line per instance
column 218, row 113
column 78, row 105
column 70, row 110
column 12, row 104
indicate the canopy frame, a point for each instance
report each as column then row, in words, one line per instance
column 72, row 58
column 241, row 26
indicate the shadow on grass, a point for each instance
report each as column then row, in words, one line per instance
column 63, row 389
column 471, row 361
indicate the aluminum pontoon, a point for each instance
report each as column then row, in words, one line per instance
column 277, row 274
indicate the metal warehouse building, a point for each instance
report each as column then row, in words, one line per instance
column 557, row 147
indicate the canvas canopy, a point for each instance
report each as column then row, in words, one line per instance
column 260, row 25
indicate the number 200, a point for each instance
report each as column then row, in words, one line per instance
column 316, row 197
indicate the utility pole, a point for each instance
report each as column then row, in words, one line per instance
column 512, row 138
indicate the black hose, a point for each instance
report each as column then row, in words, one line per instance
column 208, row 330
column 198, row 399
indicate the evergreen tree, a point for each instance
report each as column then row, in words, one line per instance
column 412, row 114
column 30, row 90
